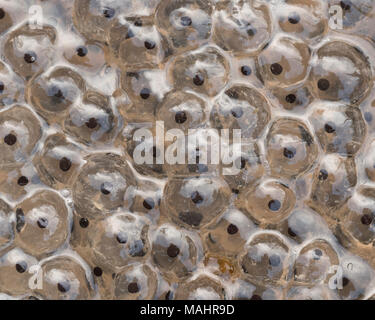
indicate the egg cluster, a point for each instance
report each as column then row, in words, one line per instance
column 81, row 219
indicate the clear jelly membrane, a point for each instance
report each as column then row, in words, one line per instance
column 80, row 218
